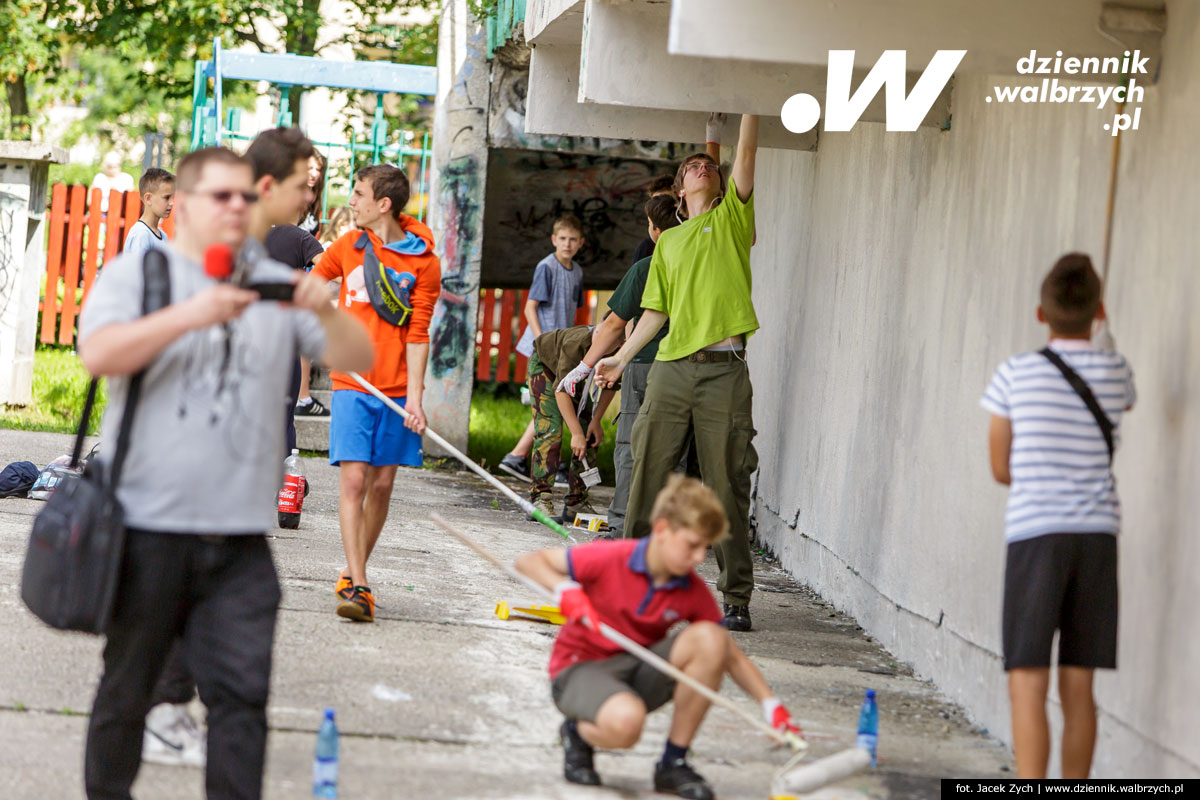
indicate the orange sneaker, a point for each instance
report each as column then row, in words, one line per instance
column 360, row 607
column 344, row 586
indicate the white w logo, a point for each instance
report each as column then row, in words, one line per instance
column 801, row 112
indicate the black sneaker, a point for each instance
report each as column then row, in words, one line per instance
column 677, row 777
column 562, row 479
column 737, row 618
column 313, row 409
column 577, row 758
column 516, row 466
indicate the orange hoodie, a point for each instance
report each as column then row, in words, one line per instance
column 413, row 254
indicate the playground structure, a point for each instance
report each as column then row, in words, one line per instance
column 213, row 124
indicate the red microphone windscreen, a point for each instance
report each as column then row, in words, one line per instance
column 218, row 262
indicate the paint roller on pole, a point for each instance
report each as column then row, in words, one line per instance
column 526, row 506
column 789, row 780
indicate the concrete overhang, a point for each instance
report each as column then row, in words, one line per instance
column 994, row 34
column 552, row 108
column 625, row 62
column 553, row 21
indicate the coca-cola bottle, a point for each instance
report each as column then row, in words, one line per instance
column 291, row 496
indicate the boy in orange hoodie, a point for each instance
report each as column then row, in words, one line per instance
column 390, row 282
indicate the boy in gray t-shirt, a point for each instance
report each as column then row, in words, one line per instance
column 157, row 189
column 554, row 296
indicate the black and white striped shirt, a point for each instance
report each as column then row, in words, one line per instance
column 1061, row 478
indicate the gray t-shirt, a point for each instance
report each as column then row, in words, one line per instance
column 204, row 450
column 141, row 238
column 559, row 292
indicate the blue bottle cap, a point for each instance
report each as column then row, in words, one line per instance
column 870, row 694
column 329, row 713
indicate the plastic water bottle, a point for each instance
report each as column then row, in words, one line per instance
column 868, row 725
column 291, row 496
column 325, row 763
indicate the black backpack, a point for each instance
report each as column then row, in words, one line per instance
column 73, row 562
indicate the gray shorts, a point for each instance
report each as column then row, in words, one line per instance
column 581, row 689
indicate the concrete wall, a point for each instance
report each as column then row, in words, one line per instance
column 893, row 272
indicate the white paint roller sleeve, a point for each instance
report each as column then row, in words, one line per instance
column 820, row 773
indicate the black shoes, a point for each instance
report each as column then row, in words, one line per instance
column 677, row 777
column 737, row 618
column 313, row 408
column 577, row 757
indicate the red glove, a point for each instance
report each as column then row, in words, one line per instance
column 777, row 716
column 573, row 603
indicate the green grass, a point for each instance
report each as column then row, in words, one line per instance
column 498, row 419
column 60, row 386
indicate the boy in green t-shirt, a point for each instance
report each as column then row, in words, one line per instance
column 626, row 306
column 700, row 278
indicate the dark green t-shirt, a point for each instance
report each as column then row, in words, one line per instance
column 626, row 303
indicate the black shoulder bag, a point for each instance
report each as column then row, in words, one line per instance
column 73, row 562
column 1081, row 388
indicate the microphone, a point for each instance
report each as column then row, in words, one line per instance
column 218, row 262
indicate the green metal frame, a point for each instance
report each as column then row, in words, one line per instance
column 381, row 77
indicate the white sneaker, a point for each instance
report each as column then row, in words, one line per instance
column 173, row 738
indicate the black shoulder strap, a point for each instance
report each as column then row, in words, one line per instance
column 156, row 294
column 1085, row 393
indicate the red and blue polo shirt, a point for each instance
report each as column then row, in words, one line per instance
column 616, row 579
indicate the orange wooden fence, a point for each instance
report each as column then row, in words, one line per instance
column 500, row 325
column 74, row 253
column 82, row 238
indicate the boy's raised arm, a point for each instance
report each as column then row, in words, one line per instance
column 743, row 162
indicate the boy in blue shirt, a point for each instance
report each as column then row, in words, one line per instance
column 554, row 296
column 1055, row 415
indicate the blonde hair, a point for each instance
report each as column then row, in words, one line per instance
column 687, row 503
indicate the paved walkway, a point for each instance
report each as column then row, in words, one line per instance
column 439, row 698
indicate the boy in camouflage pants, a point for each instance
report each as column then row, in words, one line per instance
column 554, row 354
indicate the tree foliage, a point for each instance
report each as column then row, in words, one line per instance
column 141, row 51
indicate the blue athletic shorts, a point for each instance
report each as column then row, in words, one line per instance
column 362, row 428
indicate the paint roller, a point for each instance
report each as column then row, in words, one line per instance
column 791, row 781
column 522, row 503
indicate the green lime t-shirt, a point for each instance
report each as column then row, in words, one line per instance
column 700, row 278
column 626, row 303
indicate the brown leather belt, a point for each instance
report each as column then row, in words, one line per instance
column 716, row 356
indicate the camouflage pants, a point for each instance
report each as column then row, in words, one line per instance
column 547, row 437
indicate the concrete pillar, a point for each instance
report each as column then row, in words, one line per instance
column 456, row 215
column 24, row 174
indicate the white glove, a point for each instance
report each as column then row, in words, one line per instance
column 573, row 377
column 714, row 128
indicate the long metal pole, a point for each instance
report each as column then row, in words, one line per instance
column 526, row 506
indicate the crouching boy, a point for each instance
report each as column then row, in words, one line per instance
column 554, row 354
column 642, row 588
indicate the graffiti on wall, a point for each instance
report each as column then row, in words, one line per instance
column 453, row 335
column 528, row 189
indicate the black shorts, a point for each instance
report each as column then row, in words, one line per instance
column 1065, row 582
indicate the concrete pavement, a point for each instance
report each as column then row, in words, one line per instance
column 439, row 698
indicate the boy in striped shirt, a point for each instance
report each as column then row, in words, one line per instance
column 1055, row 420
